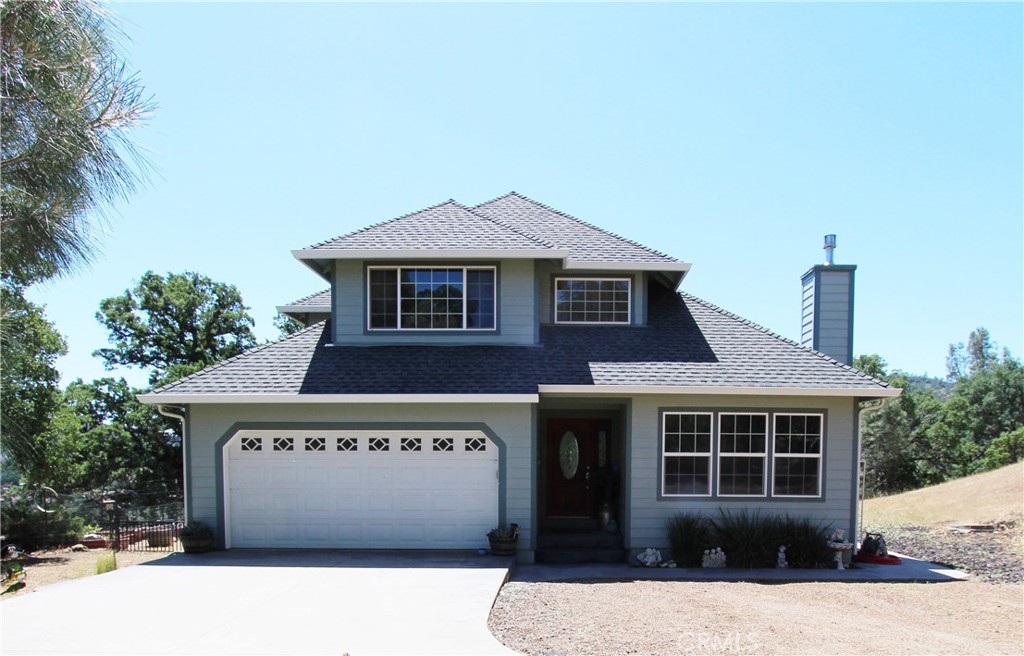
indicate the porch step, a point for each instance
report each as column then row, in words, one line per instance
column 576, row 546
column 575, row 556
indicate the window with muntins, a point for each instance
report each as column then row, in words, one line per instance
column 686, row 454
column 796, row 463
column 742, row 454
column 431, row 298
column 592, row 300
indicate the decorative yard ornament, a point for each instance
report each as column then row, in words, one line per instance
column 781, row 563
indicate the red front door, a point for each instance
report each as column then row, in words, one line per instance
column 572, row 467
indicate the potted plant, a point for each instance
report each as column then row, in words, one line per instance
column 196, row 538
column 503, row 540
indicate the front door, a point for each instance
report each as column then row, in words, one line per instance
column 572, row 466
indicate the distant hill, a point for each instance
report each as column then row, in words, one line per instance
column 988, row 497
column 940, row 387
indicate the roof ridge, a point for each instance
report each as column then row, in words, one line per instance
column 585, row 223
column 381, row 223
column 534, row 238
column 243, row 354
column 771, row 333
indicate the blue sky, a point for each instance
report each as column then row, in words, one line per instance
column 730, row 136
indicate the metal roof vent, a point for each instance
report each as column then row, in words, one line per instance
column 830, row 247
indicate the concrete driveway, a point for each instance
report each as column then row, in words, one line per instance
column 267, row 602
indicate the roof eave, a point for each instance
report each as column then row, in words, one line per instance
column 321, row 254
column 169, row 397
column 631, row 390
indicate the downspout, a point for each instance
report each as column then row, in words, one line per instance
column 862, row 409
column 167, row 411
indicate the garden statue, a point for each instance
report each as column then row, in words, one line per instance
column 780, row 562
column 649, row 557
column 839, row 544
column 713, row 558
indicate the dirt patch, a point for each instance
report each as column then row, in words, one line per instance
column 48, row 567
column 659, row 617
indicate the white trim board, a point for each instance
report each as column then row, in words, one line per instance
column 171, row 398
column 634, row 390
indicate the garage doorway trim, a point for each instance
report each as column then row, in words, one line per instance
column 223, row 532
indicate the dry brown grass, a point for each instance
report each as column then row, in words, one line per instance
column 988, row 497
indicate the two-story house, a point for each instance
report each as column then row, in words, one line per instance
column 508, row 363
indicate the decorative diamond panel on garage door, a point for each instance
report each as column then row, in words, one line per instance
column 345, row 489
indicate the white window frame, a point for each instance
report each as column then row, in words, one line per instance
column 820, row 456
column 665, row 455
column 740, row 454
column 629, row 300
column 465, row 269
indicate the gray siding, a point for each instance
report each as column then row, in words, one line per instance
column 826, row 311
column 807, row 312
column 648, row 513
column 547, row 271
column 517, row 304
column 834, row 324
column 513, row 424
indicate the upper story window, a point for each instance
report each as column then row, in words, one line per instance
column 592, row 300
column 431, row 298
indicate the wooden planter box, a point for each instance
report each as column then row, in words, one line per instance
column 503, row 546
column 193, row 544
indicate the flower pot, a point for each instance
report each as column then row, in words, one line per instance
column 503, row 546
column 193, row 544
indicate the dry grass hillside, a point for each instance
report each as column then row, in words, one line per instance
column 989, row 497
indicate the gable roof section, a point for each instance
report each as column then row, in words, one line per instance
column 689, row 346
column 448, row 227
column 585, row 242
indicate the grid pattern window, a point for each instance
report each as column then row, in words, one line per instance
column 797, row 457
column 592, row 300
column 432, row 298
column 742, row 455
column 686, row 445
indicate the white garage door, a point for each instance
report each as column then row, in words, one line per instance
column 344, row 489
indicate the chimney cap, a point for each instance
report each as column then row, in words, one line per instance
column 830, row 247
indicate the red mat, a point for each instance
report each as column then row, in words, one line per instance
column 878, row 560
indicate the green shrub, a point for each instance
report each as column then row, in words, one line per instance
column 30, row 529
column 748, row 540
column 806, row 543
column 107, row 562
column 1006, row 449
column 689, row 534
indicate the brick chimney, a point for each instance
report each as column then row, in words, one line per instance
column 827, row 307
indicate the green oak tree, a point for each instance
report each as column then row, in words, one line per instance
column 175, row 325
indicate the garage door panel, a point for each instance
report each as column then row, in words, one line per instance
column 407, row 495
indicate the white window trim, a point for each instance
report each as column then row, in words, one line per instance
column 820, row 456
column 629, row 302
column 398, row 283
column 665, row 455
column 733, row 454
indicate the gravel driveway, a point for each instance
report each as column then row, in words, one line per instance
column 659, row 617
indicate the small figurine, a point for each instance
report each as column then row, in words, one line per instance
column 649, row 557
column 781, row 563
column 713, row 558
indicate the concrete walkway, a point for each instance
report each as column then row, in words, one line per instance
column 267, row 602
column 909, row 571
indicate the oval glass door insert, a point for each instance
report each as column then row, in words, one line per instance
column 569, row 455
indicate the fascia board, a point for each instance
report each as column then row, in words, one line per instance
column 285, row 309
column 594, row 265
column 427, row 254
column 178, row 399
column 633, row 390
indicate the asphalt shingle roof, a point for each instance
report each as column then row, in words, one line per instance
column 583, row 240
column 687, row 342
column 319, row 301
column 448, row 226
